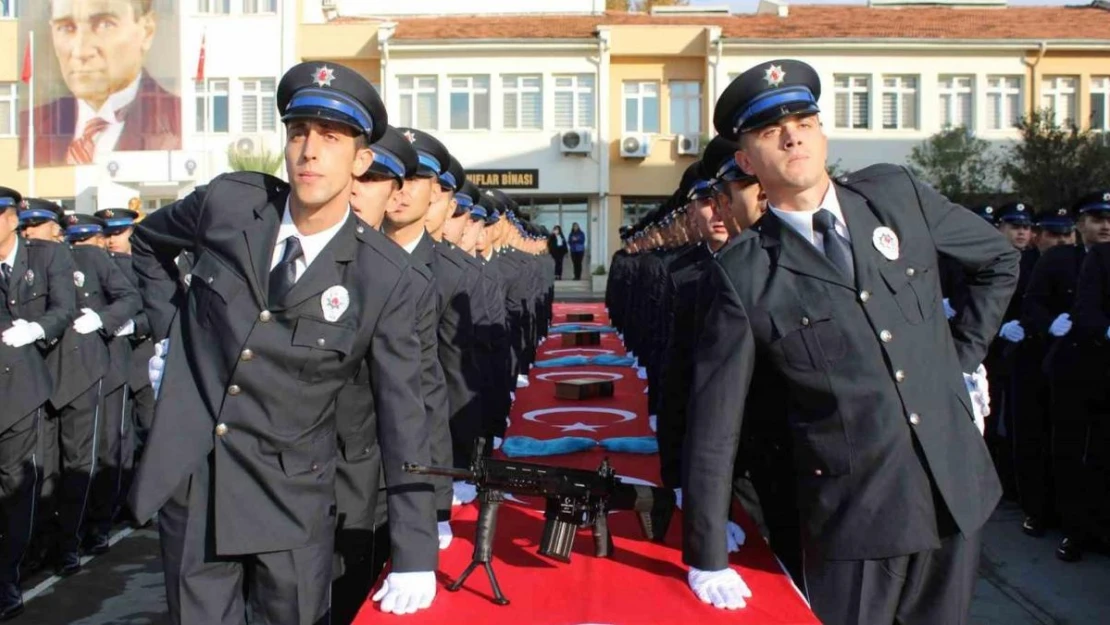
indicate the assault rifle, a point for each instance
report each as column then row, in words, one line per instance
column 575, row 498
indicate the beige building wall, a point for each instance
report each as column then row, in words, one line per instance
column 1082, row 65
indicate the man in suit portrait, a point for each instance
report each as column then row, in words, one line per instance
column 113, row 104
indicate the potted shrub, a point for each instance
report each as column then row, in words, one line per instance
column 599, row 279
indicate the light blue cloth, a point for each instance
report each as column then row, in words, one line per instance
column 574, row 327
column 564, row 361
column 631, row 444
column 612, row 360
column 517, row 446
column 603, row 360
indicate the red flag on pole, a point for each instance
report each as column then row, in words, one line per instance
column 200, row 60
column 28, row 66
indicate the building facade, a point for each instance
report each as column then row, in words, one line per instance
column 586, row 116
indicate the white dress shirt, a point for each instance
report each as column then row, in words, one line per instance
column 107, row 139
column 10, row 259
column 411, row 246
column 802, row 221
column 311, row 244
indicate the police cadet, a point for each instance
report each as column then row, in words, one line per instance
column 501, row 381
column 835, row 287
column 119, row 225
column 1076, row 366
column 36, row 282
column 1045, row 319
column 290, row 294
column 373, row 191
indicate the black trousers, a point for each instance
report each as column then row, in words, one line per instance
column 576, row 260
column 281, row 588
column 1070, row 413
column 926, row 588
column 19, row 476
column 559, row 265
column 70, row 440
column 1032, row 435
column 113, row 449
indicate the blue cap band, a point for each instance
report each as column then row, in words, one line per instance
column 770, row 99
column 701, row 188
column 336, row 101
column 389, row 161
column 478, row 212
column 7, row 201
column 428, row 161
column 38, row 213
column 83, row 229
column 464, row 200
column 448, row 179
column 1096, row 207
column 1020, row 218
column 125, row 222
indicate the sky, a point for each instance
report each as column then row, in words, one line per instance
column 748, row 6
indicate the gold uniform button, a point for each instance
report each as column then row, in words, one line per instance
column 221, row 429
column 915, row 419
column 900, row 375
column 910, row 271
column 320, row 342
column 864, row 296
column 246, row 355
column 233, row 389
column 265, row 316
column 885, row 336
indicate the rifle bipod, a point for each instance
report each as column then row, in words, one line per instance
column 489, row 502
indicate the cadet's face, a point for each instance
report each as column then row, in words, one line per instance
column 46, row 231
column 1019, row 235
column 322, row 158
column 1095, row 228
column 746, row 203
column 483, row 241
column 369, row 199
column 120, row 242
column 9, row 221
column 100, row 45
column 441, row 206
column 709, row 221
column 471, row 234
column 413, row 202
column 1046, row 240
column 788, row 155
column 453, row 227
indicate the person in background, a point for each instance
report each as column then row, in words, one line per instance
column 577, row 244
column 557, row 247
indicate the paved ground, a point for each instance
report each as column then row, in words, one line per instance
column 1021, row 583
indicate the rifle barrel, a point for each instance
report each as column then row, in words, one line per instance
column 459, row 474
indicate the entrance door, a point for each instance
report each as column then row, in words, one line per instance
column 563, row 212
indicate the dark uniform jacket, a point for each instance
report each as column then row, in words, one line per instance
column 142, row 349
column 876, row 402
column 254, row 386
column 40, row 291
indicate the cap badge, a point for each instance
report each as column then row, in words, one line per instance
column 886, row 242
column 989, row 210
column 73, row 219
column 109, row 214
column 774, row 76
column 324, row 75
column 1020, row 207
column 1106, row 197
column 1063, row 212
column 411, row 137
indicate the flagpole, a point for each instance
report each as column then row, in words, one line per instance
column 30, row 139
column 202, row 74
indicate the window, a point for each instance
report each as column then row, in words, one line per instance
column 418, row 95
column 214, row 6
column 8, row 8
column 1100, row 103
column 523, row 102
column 899, row 102
column 212, row 105
column 1003, row 102
column 469, row 102
column 1058, row 96
column 956, row 102
column 259, row 112
column 574, row 101
column 259, row 6
column 641, row 107
column 9, row 108
column 685, row 107
column 852, row 101
column 633, row 209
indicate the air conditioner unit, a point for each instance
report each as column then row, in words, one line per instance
column 328, row 4
column 635, row 146
column 689, row 145
column 577, row 141
column 246, row 144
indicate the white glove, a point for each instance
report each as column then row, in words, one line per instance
column 678, row 498
column 405, row 593
column 724, row 588
column 1060, row 325
column 466, row 492
column 512, row 396
column 1012, row 331
column 497, row 440
column 445, row 534
column 88, row 322
column 126, row 329
column 736, row 537
column 156, row 364
column 653, row 422
column 949, row 312
column 522, row 381
column 641, row 372
column 22, row 333
column 979, row 390
column 1108, row 333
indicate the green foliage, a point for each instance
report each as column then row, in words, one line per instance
column 957, row 164
column 1053, row 165
column 260, row 160
column 599, row 270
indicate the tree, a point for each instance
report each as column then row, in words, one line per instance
column 957, row 164
column 835, row 169
column 1053, row 165
column 262, row 160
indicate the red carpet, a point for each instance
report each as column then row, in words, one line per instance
column 644, row 582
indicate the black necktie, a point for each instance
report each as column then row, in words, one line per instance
column 837, row 248
column 284, row 274
column 7, row 271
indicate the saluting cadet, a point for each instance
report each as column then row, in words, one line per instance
column 290, row 294
column 835, row 288
column 36, row 281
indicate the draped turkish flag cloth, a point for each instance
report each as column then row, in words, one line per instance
column 28, row 64
column 644, row 582
column 200, row 59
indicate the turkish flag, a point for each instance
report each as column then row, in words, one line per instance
column 28, row 64
column 200, row 59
